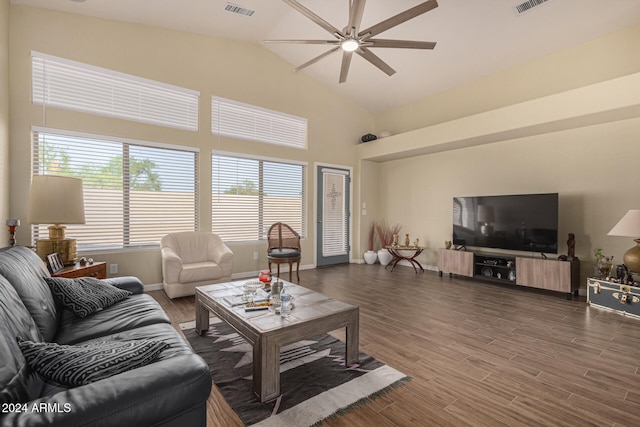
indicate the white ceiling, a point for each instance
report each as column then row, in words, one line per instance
column 475, row 37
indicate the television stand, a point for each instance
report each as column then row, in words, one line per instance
column 494, row 267
column 549, row 274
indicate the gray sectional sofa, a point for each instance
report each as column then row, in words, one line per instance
column 172, row 389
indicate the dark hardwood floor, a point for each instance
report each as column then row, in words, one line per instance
column 480, row 354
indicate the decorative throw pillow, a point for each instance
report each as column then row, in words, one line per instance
column 76, row 365
column 85, row 295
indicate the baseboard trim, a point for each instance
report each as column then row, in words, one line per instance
column 238, row 276
column 153, row 287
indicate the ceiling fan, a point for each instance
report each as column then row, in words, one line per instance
column 352, row 39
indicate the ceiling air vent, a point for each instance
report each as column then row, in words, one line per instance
column 528, row 5
column 230, row 7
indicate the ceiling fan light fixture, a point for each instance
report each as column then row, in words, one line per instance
column 349, row 45
column 353, row 39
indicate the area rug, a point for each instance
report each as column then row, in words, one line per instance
column 314, row 382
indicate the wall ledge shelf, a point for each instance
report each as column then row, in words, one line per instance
column 603, row 102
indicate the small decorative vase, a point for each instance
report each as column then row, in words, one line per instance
column 407, row 241
column 604, row 267
column 370, row 257
column 384, row 256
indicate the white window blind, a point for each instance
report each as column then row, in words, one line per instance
column 245, row 121
column 134, row 192
column 70, row 85
column 249, row 195
column 335, row 218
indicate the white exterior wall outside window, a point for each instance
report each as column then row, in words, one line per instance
column 135, row 192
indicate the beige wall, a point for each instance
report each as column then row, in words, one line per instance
column 592, row 168
column 369, row 208
column 4, row 117
column 601, row 59
column 237, row 70
column 581, row 143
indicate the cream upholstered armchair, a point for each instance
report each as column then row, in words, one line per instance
column 191, row 259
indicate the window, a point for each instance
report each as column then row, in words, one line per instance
column 71, row 85
column 244, row 121
column 135, row 192
column 250, row 194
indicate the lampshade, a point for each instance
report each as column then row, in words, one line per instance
column 56, row 200
column 629, row 226
column 486, row 214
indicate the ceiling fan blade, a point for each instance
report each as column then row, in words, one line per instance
column 312, row 16
column 333, row 42
column 399, row 18
column 316, row 59
column 355, row 15
column 344, row 69
column 369, row 56
column 402, row 44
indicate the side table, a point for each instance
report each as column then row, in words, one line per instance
column 408, row 253
column 97, row 270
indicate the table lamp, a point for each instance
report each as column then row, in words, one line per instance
column 56, row 200
column 629, row 226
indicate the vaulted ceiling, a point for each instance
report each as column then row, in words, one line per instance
column 474, row 38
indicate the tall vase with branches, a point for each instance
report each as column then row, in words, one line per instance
column 386, row 232
column 370, row 256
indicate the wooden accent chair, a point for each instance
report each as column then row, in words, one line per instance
column 284, row 247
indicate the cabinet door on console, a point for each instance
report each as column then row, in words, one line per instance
column 456, row 262
column 544, row 273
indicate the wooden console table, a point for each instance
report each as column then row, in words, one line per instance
column 549, row 274
column 407, row 253
column 97, row 270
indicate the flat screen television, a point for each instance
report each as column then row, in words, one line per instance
column 521, row 222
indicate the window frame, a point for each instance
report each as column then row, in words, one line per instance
column 38, row 230
column 253, row 123
column 262, row 231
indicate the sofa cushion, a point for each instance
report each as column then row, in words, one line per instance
column 83, row 364
column 164, row 332
column 85, row 295
column 18, row 383
column 128, row 283
column 134, row 312
column 158, row 394
column 198, row 271
column 26, row 271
